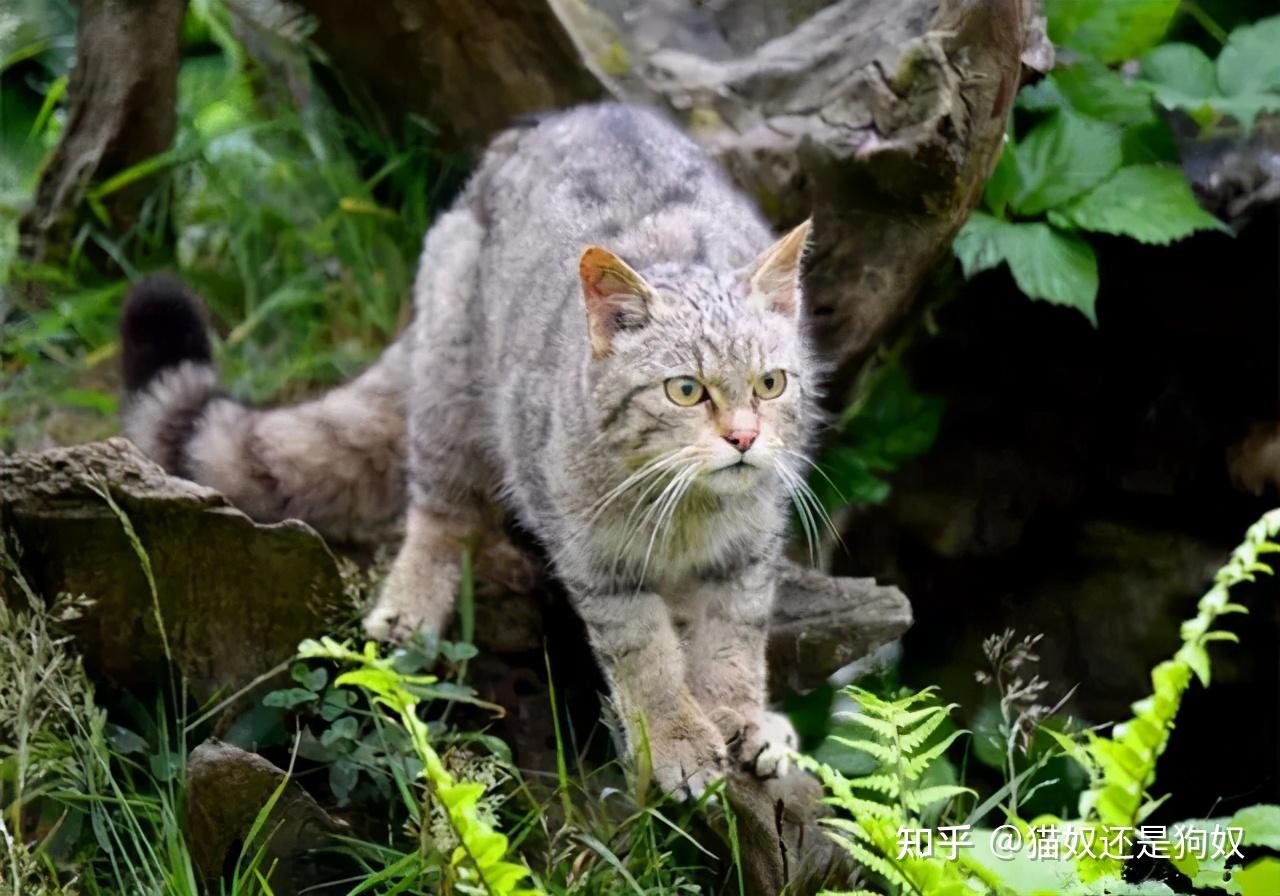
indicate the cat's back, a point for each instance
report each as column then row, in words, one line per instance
column 614, row 175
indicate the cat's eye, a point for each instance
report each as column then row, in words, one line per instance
column 685, row 391
column 772, row 384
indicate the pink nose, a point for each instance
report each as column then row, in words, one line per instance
column 742, row 439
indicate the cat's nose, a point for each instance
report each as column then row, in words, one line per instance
column 742, row 439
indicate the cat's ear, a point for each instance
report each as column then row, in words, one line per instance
column 617, row 297
column 773, row 279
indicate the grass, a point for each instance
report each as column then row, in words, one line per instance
column 94, row 798
column 299, row 228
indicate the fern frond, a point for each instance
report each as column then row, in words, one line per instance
column 916, row 764
column 1122, row 767
column 919, row 800
column 880, row 783
column 856, row 841
column 880, row 751
column 930, row 719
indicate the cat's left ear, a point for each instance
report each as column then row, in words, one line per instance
column 617, row 297
column 773, row 279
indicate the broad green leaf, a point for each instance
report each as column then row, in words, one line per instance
column 1046, row 263
column 343, row 776
column 1097, row 91
column 979, row 245
column 1150, row 203
column 1183, row 67
column 1143, row 144
column 1261, row 825
column 1250, row 62
column 288, row 698
column 1056, row 267
column 1260, row 878
column 1063, row 157
column 311, row 679
column 1109, row 30
column 1042, row 96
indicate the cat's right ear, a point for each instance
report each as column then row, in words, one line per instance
column 617, row 297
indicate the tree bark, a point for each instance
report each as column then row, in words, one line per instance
column 881, row 119
column 121, row 110
column 236, row 596
column 468, row 68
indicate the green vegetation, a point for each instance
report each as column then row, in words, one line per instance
column 1089, row 149
column 307, row 286
column 97, row 806
column 300, row 226
column 907, row 738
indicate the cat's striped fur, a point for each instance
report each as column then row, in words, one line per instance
column 539, row 376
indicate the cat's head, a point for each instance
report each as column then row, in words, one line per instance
column 700, row 373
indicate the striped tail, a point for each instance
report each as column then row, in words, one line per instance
column 337, row 462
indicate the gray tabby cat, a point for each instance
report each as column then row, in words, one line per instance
column 643, row 410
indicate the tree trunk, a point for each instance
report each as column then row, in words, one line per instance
column 881, row 119
column 121, row 110
column 468, row 68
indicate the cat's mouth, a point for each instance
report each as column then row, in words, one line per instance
column 733, row 478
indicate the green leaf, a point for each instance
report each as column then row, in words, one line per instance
column 1250, row 62
column 1046, row 263
column 1149, row 142
column 335, row 703
column 1183, row 67
column 1092, row 89
column 1150, row 203
column 1261, row 825
column 288, row 698
column 344, row 729
column 1062, row 158
column 1260, row 878
column 1109, row 30
column 343, row 776
column 1042, row 96
column 312, row 679
column 124, row 741
column 890, row 424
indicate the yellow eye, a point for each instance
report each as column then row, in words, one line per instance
column 685, row 391
column 772, row 384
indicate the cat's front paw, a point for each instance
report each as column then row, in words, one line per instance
column 763, row 741
column 406, row 605
column 688, row 758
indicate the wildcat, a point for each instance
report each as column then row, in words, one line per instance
column 643, row 410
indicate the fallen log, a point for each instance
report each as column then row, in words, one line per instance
column 235, row 596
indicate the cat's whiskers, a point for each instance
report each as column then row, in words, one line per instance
column 817, row 468
column 668, row 502
column 629, row 531
column 807, row 524
column 653, row 468
column 803, row 494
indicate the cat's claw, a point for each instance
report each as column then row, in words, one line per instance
column 763, row 745
column 393, row 625
column 769, row 745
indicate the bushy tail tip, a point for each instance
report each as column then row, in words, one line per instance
column 162, row 325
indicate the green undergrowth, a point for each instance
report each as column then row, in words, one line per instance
column 298, row 224
column 905, row 784
column 1090, row 148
